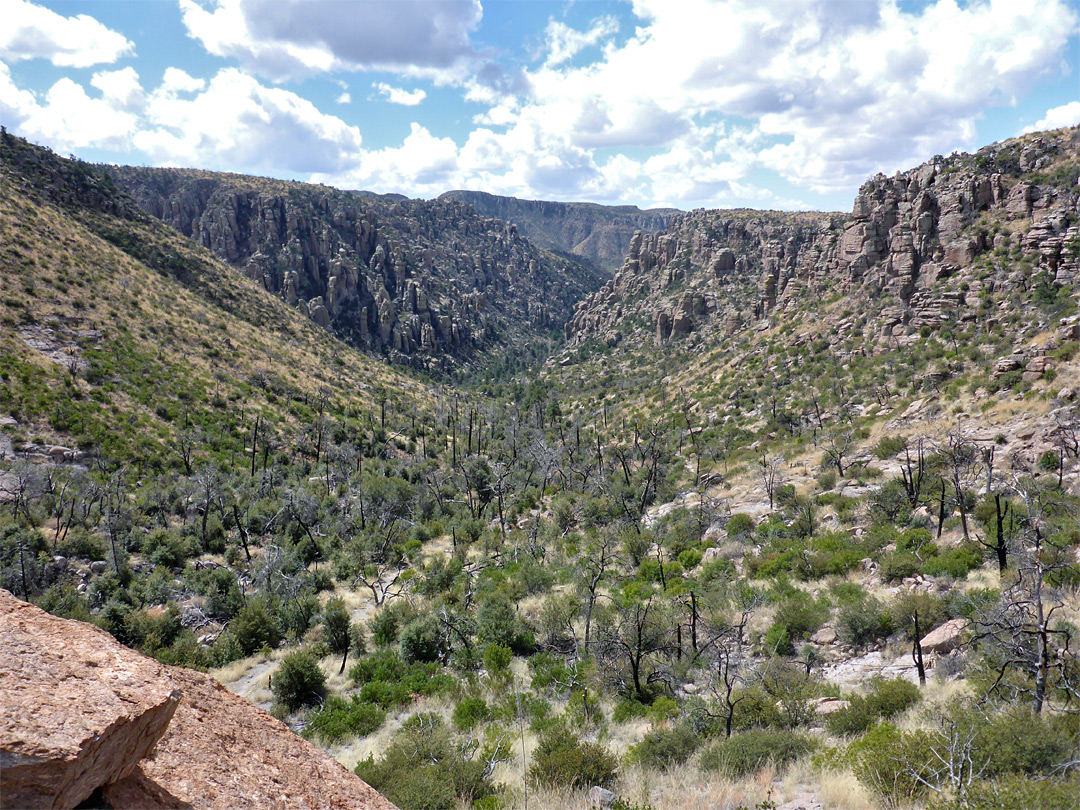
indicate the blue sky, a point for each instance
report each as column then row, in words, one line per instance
column 690, row 103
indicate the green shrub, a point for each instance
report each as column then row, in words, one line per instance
column 889, row 447
column 690, row 558
column 497, row 658
column 387, row 623
column 298, row 680
column 740, row 526
column 663, row 748
column 662, row 710
column 891, row 764
column 562, row 760
column 914, row 540
column 254, row 628
column 778, row 641
column 801, row 616
column 422, row 640
column 898, row 565
column 469, row 712
column 749, row 751
column 163, row 547
column 339, row 719
column 886, row 699
column 386, row 680
column 955, row 563
column 864, row 621
column 933, row 611
column 425, row 769
column 1015, row 791
column 628, row 709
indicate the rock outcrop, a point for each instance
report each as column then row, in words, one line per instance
column 598, row 233
column 924, row 248
column 85, row 717
column 944, row 639
column 79, row 709
column 428, row 283
column 222, row 752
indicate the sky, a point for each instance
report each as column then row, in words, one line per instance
column 778, row 104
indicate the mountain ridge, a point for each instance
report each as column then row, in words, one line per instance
column 425, row 283
column 592, row 231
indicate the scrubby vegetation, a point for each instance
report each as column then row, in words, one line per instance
column 531, row 586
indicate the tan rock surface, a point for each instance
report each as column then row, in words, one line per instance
column 222, row 752
column 945, row 638
column 79, row 710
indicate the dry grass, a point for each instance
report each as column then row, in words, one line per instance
column 840, row 790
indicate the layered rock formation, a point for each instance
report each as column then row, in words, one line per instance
column 598, row 233
column 425, row 282
column 910, row 246
column 82, row 715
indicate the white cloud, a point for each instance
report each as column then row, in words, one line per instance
column 344, row 98
column 176, row 81
column 68, row 118
column 564, row 42
column 1067, row 115
column 235, row 123
column 34, row 32
column 286, row 38
column 397, row 95
column 825, row 93
column 120, row 87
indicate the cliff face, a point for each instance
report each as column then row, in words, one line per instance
column 428, row 283
column 923, row 248
column 598, row 233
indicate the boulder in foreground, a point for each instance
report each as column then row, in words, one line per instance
column 222, row 752
column 79, row 709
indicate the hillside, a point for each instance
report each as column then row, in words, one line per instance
column 790, row 520
column 952, row 276
column 598, row 233
column 425, row 283
column 118, row 334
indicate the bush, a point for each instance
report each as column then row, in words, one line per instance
column 889, row 447
column 690, row 558
column 469, row 712
column 740, row 526
column 1016, row 792
column 895, row 766
column 750, row 751
column 298, row 681
column 424, row 769
column 886, row 699
column 628, row 709
column 801, row 616
column 254, row 628
column 497, row 660
column 163, row 547
column 663, row 748
column 338, row 719
column 955, row 563
column 933, row 611
column 562, row 760
column 387, row 623
column 863, row 622
column 898, row 565
column 422, row 640
column 778, row 641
